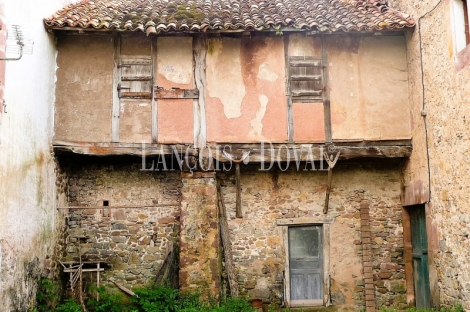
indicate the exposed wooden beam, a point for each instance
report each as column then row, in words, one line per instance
column 258, row 152
column 177, row 94
column 121, row 207
column 136, row 149
column 311, row 152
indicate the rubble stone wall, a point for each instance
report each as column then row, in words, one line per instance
column 435, row 63
column 258, row 243
column 133, row 241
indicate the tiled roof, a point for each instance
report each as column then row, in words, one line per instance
column 154, row 16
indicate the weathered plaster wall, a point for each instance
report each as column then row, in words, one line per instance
column 258, row 244
column 175, row 70
column 135, row 118
column 30, row 224
column 308, row 118
column 133, row 242
column 84, row 89
column 445, row 78
column 245, row 89
column 245, row 98
column 369, row 87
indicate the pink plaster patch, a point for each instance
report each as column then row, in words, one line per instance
column 309, row 122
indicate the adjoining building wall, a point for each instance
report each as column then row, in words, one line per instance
column 30, row 226
column 441, row 181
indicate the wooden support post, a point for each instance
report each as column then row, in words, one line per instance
column 290, row 110
column 328, row 190
column 326, row 93
column 239, row 192
column 331, row 160
column 154, row 86
column 116, row 81
column 229, row 265
column 98, row 281
column 199, row 104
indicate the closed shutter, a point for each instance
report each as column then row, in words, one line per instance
column 135, row 77
column 306, row 79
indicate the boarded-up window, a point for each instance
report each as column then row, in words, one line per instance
column 306, row 78
column 135, row 77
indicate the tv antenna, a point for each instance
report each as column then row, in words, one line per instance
column 17, row 44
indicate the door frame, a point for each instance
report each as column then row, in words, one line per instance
column 433, row 249
column 324, row 222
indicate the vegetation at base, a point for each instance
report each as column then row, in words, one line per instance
column 47, row 296
column 156, row 299
column 148, row 299
column 456, row 308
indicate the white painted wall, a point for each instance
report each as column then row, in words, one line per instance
column 27, row 175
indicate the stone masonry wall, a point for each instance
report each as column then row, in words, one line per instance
column 132, row 241
column 435, row 64
column 258, row 245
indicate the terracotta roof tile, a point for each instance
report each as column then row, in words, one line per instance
column 154, row 16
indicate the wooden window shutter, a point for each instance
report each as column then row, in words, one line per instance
column 306, row 78
column 135, row 77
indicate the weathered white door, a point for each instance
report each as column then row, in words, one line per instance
column 306, row 265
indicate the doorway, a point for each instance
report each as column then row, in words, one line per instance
column 419, row 242
column 306, row 265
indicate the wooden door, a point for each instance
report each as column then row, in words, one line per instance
column 306, row 265
column 420, row 257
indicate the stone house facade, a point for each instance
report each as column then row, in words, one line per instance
column 435, row 175
column 264, row 142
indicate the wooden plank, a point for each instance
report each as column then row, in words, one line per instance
column 104, row 149
column 326, row 265
column 227, row 244
column 120, row 207
column 290, row 110
column 83, row 270
column 285, row 237
column 177, row 94
column 305, row 63
column 305, row 78
column 259, row 152
column 124, row 289
column 135, row 95
column 307, row 93
column 305, row 220
column 199, row 104
column 116, row 83
column 154, row 101
column 326, row 93
column 315, row 153
column 136, row 78
column 328, row 190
